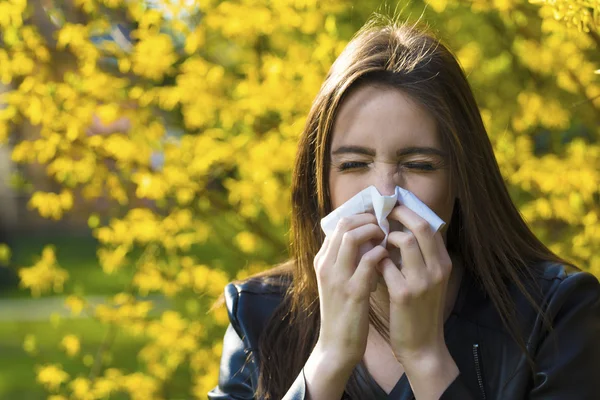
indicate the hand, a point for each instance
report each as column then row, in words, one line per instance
column 417, row 289
column 345, row 281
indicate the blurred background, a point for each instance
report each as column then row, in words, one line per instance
column 146, row 150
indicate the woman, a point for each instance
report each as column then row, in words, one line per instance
column 478, row 310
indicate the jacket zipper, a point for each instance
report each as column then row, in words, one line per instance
column 478, row 369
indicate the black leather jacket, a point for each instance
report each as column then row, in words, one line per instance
column 491, row 364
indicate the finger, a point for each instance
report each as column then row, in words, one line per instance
column 367, row 269
column 421, row 230
column 325, row 244
column 321, row 251
column 344, row 225
column 413, row 263
column 352, row 240
column 393, row 277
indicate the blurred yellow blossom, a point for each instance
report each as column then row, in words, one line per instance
column 81, row 389
column 140, row 386
column 51, row 376
column 44, row 275
column 71, row 345
column 51, row 205
column 153, row 55
column 108, row 113
column 246, row 241
column 75, row 303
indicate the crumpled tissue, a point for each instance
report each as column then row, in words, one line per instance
column 371, row 201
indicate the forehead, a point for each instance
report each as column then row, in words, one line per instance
column 383, row 117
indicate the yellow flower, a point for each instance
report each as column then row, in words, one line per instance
column 51, row 376
column 71, row 345
column 44, row 275
column 154, row 56
column 140, row 386
column 148, row 280
column 438, row 5
column 108, row 113
column 112, row 260
column 246, row 241
column 150, row 186
column 194, row 40
column 81, row 389
column 75, row 304
column 73, row 35
column 220, row 315
column 11, row 13
column 51, row 205
column 104, row 387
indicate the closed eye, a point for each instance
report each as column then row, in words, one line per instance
column 357, row 164
column 351, row 165
column 420, row 166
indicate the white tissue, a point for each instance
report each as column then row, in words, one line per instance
column 371, row 201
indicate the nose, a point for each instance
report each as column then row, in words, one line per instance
column 386, row 181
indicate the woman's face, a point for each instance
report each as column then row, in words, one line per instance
column 383, row 138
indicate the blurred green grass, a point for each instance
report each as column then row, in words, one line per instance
column 17, row 368
column 77, row 255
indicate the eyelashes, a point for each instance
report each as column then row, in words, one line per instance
column 350, row 165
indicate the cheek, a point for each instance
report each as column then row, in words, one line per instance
column 342, row 188
column 435, row 194
column 439, row 203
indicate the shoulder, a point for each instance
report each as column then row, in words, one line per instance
column 568, row 288
column 567, row 353
column 568, row 298
column 552, row 271
column 250, row 304
column 556, row 282
column 553, row 283
column 554, row 287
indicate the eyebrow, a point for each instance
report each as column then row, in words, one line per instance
column 402, row 152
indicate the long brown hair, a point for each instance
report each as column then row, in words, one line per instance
column 486, row 230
